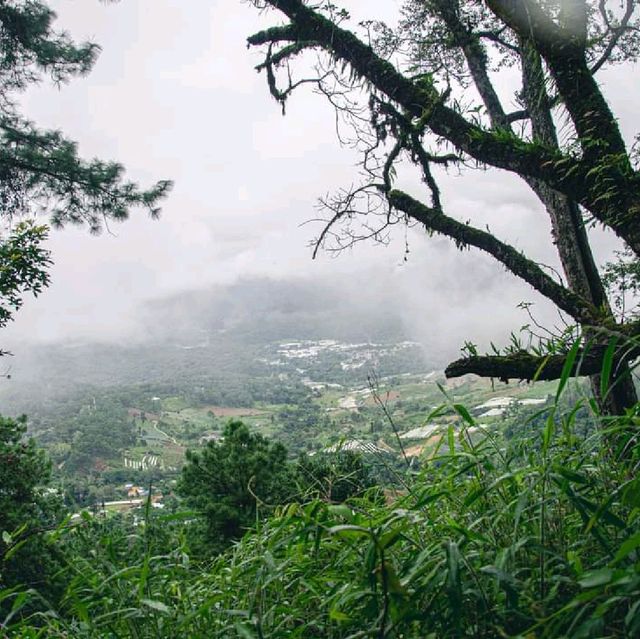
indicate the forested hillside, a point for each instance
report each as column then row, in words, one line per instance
column 218, row 332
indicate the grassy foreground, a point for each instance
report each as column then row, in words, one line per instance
column 538, row 538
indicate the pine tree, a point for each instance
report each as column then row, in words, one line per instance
column 41, row 173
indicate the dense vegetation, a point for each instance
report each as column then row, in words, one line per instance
column 533, row 536
column 89, row 408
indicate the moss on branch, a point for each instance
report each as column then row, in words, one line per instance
column 524, row 366
column 512, row 259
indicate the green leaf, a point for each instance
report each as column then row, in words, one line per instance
column 156, row 605
column 144, row 573
column 14, row 549
column 571, row 475
column 390, row 537
column 631, row 619
column 341, row 510
column 594, row 578
column 574, row 560
column 607, row 366
column 464, row 413
column 451, row 440
column 338, row 615
column 631, row 494
column 244, row 631
column 541, row 367
column 627, row 547
column 394, row 585
column 549, row 430
column 349, row 530
column 567, row 369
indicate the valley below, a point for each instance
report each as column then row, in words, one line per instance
column 381, row 399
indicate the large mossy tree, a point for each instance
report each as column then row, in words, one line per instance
column 418, row 108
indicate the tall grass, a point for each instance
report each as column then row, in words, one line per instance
column 540, row 538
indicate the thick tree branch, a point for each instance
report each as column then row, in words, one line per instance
column 568, row 229
column 563, row 47
column 525, row 366
column 476, row 58
column 416, row 98
column 613, row 185
column 515, row 116
column 529, row 20
column 605, row 192
column 288, row 33
column 512, row 259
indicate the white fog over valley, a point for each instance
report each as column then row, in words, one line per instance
column 174, row 95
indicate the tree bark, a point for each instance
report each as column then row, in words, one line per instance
column 600, row 178
column 569, row 232
column 524, row 366
column 570, row 175
column 568, row 229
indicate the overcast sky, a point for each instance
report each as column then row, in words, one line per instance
column 174, row 95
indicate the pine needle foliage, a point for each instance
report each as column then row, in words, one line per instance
column 41, row 172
